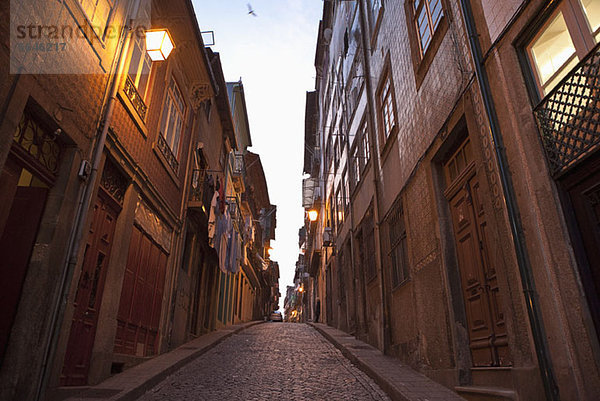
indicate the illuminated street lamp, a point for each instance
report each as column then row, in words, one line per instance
column 313, row 215
column 159, row 44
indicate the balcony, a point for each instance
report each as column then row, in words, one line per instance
column 134, row 97
column 196, row 197
column 166, row 151
column 238, row 171
column 569, row 117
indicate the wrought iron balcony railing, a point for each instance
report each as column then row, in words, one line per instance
column 135, row 98
column 569, row 117
column 197, row 195
column 165, row 149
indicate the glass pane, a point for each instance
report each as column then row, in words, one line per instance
column 144, row 76
column 592, row 12
column 551, row 84
column 134, row 64
column 436, row 12
column 552, row 49
column 103, row 9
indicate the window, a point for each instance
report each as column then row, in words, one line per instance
column 387, row 108
column 398, row 245
column 98, row 12
column 427, row 16
column 339, row 207
column 140, row 65
column 345, row 190
column 572, row 30
column 172, row 118
column 375, row 7
column 367, row 246
column 360, row 153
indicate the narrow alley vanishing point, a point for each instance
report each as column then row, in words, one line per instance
column 270, row 362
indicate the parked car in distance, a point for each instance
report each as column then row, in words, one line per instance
column 276, row 317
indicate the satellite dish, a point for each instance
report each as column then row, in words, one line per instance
column 327, row 33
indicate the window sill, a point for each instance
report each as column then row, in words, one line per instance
column 388, row 145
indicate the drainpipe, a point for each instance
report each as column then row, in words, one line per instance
column 78, row 232
column 376, row 171
column 531, row 297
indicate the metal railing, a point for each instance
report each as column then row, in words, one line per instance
column 165, row 149
column 135, row 98
column 569, row 117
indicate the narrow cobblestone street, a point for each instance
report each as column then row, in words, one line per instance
column 265, row 362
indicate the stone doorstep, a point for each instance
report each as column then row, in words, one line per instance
column 486, row 393
column 399, row 381
column 134, row 382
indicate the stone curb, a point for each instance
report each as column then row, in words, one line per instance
column 400, row 382
column 134, row 382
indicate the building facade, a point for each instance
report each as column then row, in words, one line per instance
column 123, row 179
column 450, row 146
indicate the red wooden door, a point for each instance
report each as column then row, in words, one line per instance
column 89, row 293
column 487, row 328
column 141, row 297
column 23, row 207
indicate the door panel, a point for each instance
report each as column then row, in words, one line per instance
column 88, row 297
column 141, row 297
column 16, row 243
column 485, row 319
column 585, row 199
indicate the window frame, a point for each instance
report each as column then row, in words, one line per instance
column 422, row 61
column 576, row 21
column 386, row 78
column 139, row 44
column 90, row 18
column 165, row 123
column 398, row 242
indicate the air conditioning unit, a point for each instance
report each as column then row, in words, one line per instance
column 327, row 236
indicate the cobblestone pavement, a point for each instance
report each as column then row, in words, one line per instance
column 273, row 361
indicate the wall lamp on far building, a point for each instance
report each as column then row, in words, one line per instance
column 159, row 44
column 313, row 215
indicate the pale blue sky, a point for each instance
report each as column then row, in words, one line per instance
column 273, row 53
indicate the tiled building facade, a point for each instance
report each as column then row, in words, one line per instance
column 445, row 171
column 112, row 174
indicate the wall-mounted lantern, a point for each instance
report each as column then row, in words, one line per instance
column 313, row 215
column 159, row 44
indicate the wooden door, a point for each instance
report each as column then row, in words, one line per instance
column 22, row 208
column 485, row 319
column 88, row 297
column 584, row 193
column 140, row 305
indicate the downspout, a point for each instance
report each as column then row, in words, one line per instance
column 376, row 172
column 352, row 227
column 531, row 297
column 77, row 233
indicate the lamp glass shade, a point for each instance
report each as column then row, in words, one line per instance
column 313, row 215
column 159, row 44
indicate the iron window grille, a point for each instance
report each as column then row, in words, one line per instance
column 398, row 252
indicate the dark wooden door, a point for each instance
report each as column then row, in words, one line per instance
column 23, row 207
column 585, row 199
column 88, row 297
column 487, row 328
